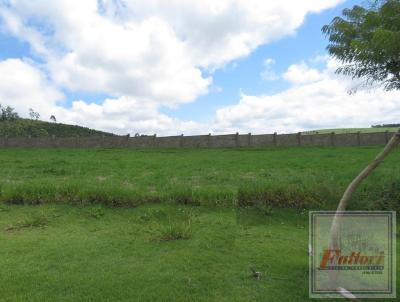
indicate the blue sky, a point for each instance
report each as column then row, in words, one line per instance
column 182, row 67
column 243, row 75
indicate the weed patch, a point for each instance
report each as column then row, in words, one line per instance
column 175, row 231
column 175, row 225
column 265, row 197
column 36, row 221
column 96, row 212
column 4, row 208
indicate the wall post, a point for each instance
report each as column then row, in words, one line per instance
column 53, row 140
column 275, row 139
column 154, row 140
column 299, row 138
column 209, row 140
column 181, row 141
column 359, row 138
column 237, row 140
column 249, row 142
column 332, row 139
column 386, row 136
column 102, row 145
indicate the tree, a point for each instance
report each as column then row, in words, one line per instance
column 53, row 118
column 8, row 114
column 34, row 115
column 367, row 42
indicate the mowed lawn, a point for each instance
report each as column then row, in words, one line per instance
column 165, row 225
column 92, row 253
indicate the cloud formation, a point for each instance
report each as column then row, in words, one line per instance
column 318, row 99
column 146, row 54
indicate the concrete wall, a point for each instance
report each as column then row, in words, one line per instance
column 199, row 141
column 223, row 141
column 263, row 140
column 142, row 142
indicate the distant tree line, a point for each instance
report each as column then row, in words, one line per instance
column 386, row 126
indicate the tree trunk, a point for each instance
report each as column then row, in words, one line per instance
column 391, row 145
column 334, row 240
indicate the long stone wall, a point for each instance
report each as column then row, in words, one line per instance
column 199, row 141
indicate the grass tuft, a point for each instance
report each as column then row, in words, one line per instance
column 36, row 221
column 176, row 225
column 4, row 207
column 176, row 231
column 96, row 212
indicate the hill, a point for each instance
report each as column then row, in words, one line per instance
column 352, row 130
column 35, row 128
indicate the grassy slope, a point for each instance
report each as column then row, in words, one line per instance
column 100, row 254
column 351, row 130
column 130, row 177
column 26, row 127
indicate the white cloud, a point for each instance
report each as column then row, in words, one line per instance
column 151, row 49
column 302, row 74
column 268, row 74
column 126, row 115
column 218, row 31
column 151, row 53
column 319, row 99
column 320, row 103
column 24, row 86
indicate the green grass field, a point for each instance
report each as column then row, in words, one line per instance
column 170, row 225
column 65, row 253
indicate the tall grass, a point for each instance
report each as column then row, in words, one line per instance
column 273, row 177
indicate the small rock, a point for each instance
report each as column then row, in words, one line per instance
column 256, row 274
